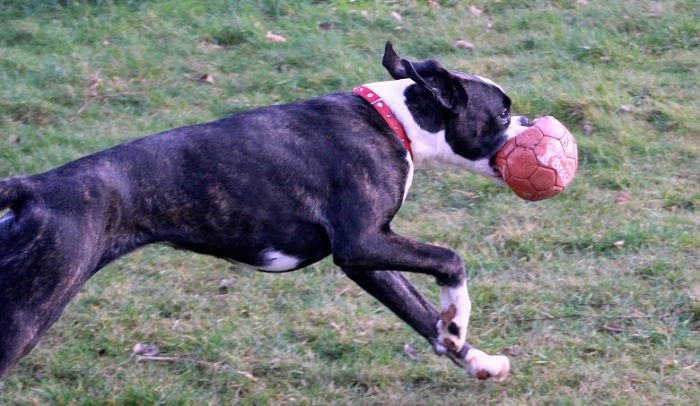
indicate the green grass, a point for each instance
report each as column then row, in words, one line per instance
column 595, row 293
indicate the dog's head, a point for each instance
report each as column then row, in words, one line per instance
column 473, row 112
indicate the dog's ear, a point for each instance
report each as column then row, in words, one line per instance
column 429, row 74
column 445, row 86
column 392, row 63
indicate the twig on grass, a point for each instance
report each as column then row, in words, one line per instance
column 100, row 98
column 199, row 363
column 92, row 94
column 580, row 316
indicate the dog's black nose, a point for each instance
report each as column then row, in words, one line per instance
column 524, row 121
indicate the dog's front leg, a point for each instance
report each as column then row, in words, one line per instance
column 386, row 250
column 401, row 297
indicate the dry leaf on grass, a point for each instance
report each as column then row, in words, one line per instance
column 622, row 197
column 146, row 350
column 275, row 37
column 587, row 128
column 410, row 352
column 94, row 81
column 202, row 78
column 210, row 46
column 326, row 26
column 512, row 351
column 224, row 285
column 463, row 44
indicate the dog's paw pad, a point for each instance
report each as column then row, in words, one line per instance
column 484, row 366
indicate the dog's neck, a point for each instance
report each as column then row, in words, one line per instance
column 386, row 112
column 430, row 150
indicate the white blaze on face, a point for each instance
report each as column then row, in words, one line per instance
column 515, row 127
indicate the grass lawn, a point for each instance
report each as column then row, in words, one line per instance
column 594, row 294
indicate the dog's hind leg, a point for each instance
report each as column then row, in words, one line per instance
column 401, row 297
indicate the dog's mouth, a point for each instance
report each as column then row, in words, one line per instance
column 497, row 175
column 497, row 172
column 518, row 124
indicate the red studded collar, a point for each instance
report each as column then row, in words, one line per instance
column 385, row 111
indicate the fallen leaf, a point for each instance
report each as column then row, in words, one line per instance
column 94, row 81
column 326, row 26
column 612, row 329
column 224, row 285
column 475, row 11
column 582, row 2
column 206, row 78
column 396, row 16
column 410, row 352
column 463, row 44
column 656, row 10
column 275, row 37
column 619, row 244
column 512, row 351
column 147, row 350
column 433, row 4
column 587, row 128
column 210, row 46
column 622, row 197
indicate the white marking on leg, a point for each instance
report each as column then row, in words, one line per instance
column 456, row 298
column 276, row 261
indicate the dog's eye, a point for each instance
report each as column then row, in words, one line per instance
column 505, row 114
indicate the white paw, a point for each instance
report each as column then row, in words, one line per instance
column 454, row 317
column 483, row 366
